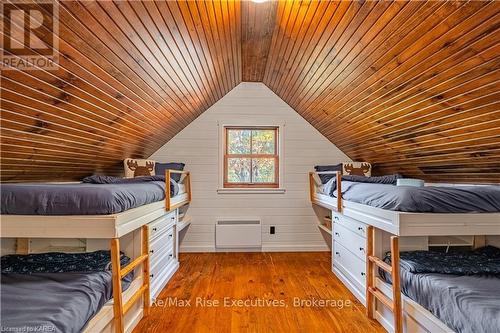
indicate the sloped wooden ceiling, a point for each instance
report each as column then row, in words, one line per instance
column 131, row 76
column 412, row 87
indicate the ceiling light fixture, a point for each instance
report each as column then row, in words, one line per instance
column 259, row 1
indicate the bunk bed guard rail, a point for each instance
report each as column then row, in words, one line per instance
column 314, row 182
column 186, row 180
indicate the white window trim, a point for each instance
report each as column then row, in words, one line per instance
column 281, row 148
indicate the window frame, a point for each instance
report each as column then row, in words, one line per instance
column 227, row 156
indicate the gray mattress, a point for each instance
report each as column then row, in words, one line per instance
column 428, row 199
column 78, row 198
column 52, row 302
column 466, row 304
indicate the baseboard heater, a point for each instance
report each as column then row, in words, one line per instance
column 238, row 233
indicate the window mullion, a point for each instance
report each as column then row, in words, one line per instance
column 251, row 158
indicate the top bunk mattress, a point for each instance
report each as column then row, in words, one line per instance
column 427, row 199
column 98, row 198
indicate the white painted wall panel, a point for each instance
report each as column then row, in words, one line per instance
column 291, row 212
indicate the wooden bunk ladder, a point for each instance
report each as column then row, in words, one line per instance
column 372, row 292
column 120, row 308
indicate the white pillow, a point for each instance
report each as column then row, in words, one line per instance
column 137, row 167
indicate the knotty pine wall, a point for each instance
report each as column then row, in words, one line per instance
column 290, row 212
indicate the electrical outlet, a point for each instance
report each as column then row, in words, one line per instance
column 272, row 230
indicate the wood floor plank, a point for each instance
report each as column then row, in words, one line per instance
column 253, row 278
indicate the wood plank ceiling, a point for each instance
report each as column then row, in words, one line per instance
column 131, row 76
column 412, row 87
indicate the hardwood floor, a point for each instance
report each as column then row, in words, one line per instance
column 256, row 277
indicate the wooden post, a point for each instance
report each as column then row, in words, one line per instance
column 167, row 190
column 479, row 241
column 396, row 286
column 339, row 192
column 311, row 186
column 23, row 246
column 145, row 269
column 188, row 185
column 369, row 271
column 117, row 285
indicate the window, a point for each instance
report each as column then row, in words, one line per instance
column 251, row 157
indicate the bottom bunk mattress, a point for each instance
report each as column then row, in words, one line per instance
column 55, row 292
column 467, row 301
column 53, row 302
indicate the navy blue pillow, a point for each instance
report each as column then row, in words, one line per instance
column 326, row 178
column 160, row 169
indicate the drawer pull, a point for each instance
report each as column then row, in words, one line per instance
column 172, row 218
column 336, row 218
column 337, row 234
column 337, row 253
column 151, row 275
column 151, row 251
column 363, row 274
column 360, row 229
column 170, row 236
column 155, row 229
column 362, row 249
column 170, row 255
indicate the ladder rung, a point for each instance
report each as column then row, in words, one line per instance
column 381, row 297
column 380, row 263
column 134, row 299
column 127, row 269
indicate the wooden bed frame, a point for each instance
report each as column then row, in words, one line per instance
column 138, row 289
column 399, row 309
column 404, row 223
column 110, row 226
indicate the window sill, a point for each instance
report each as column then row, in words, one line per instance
column 250, row 190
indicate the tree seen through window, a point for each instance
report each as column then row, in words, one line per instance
column 251, row 157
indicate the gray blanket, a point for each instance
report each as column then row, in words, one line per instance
column 428, row 199
column 98, row 196
column 466, row 304
column 52, row 302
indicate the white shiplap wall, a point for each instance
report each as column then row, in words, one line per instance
column 290, row 212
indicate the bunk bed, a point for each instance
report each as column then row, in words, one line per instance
column 101, row 208
column 363, row 217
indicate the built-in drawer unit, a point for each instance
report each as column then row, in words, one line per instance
column 351, row 224
column 353, row 267
column 162, row 254
column 349, row 253
column 350, row 240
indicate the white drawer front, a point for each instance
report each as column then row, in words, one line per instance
column 350, row 240
column 161, row 263
column 353, row 267
column 160, row 225
column 161, row 243
column 351, row 224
